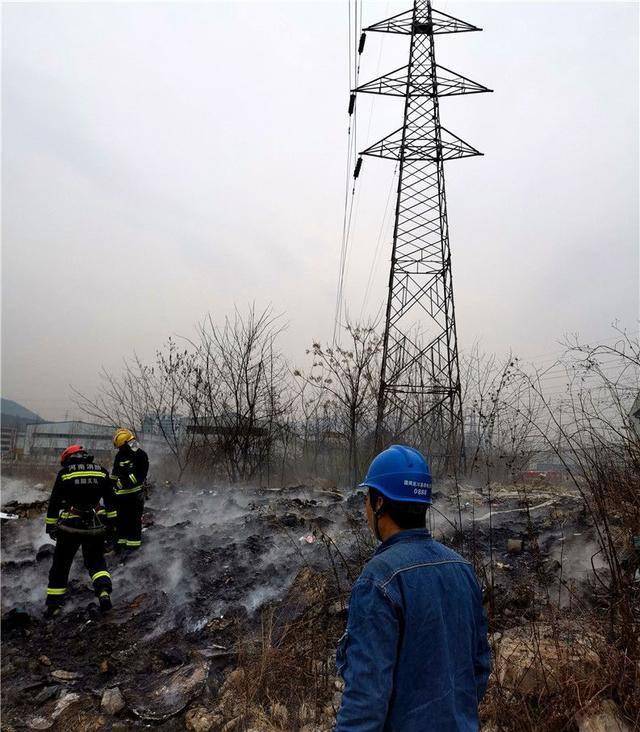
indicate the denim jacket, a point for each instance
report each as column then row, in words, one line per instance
column 415, row 654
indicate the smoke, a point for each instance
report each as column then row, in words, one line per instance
column 207, row 551
column 22, row 491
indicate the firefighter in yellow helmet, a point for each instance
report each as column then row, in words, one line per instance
column 130, row 469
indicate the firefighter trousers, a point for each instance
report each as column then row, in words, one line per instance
column 129, row 522
column 93, row 553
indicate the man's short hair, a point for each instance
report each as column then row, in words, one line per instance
column 406, row 514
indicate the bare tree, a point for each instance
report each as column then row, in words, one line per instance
column 344, row 379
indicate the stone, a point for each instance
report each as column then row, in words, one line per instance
column 515, row 546
column 104, row 666
column 605, row 719
column 40, row 723
column 532, row 660
column 64, row 702
column 45, row 694
column 112, row 701
column 200, row 719
column 167, row 693
column 44, row 660
column 62, row 675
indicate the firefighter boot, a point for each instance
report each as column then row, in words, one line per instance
column 52, row 611
column 105, row 602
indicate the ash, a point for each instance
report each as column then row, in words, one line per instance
column 221, row 563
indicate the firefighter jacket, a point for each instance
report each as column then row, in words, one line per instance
column 82, row 491
column 130, row 470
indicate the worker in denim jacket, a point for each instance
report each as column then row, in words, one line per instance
column 415, row 654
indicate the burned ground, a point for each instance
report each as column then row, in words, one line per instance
column 211, row 559
column 228, row 617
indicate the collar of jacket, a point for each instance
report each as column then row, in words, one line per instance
column 405, row 535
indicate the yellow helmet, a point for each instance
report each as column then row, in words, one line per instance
column 121, row 436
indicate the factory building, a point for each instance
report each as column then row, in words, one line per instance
column 46, row 440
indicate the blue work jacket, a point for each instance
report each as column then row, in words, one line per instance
column 415, row 654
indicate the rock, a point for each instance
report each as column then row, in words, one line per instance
column 200, row 719
column 514, row 546
column 44, row 660
column 64, row 702
column 104, row 666
column 45, row 552
column 533, row 660
column 606, row 719
column 112, row 701
column 62, row 675
column 40, row 723
column 45, row 694
column 160, row 696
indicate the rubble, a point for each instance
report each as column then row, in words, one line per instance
column 214, row 566
column 112, row 701
column 164, row 695
column 531, row 661
column 62, row 675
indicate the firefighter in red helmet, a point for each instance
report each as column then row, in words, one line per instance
column 82, row 504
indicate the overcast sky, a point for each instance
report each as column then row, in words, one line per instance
column 161, row 161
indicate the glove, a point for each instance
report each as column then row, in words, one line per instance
column 52, row 532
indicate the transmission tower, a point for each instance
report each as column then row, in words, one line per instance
column 420, row 380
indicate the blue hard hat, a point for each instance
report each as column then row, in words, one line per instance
column 401, row 474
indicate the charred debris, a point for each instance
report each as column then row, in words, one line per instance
column 229, row 617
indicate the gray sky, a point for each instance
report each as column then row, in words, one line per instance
column 162, row 161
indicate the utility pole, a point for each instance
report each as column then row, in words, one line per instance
column 420, row 390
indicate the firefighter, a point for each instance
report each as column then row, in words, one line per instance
column 75, row 519
column 130, row 469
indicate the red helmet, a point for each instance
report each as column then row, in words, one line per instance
column 71, row 450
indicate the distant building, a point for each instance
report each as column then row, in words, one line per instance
column 48, row 439
column 45, row 441
column 8, row 439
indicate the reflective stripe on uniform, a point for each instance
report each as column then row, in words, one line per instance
column 104, row 593
column 50, row 520
column 133, row 543
column 124, row 491
column 122, row 541
column 111, row 514
column 84, row 474
column 56, row 590
column 101, row 573
column 133, row 477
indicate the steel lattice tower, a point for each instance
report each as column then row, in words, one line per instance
column 420, row 380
